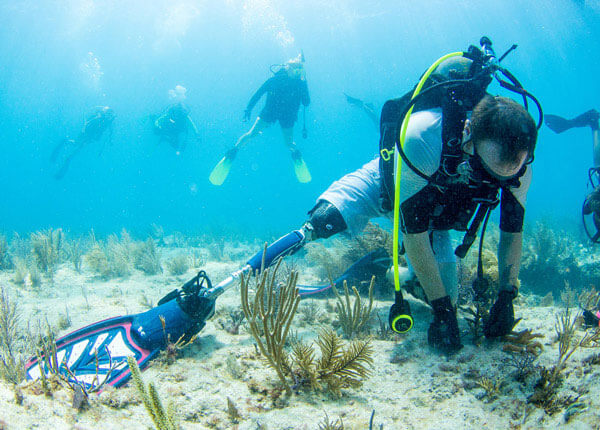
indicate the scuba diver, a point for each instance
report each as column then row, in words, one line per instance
column 367, row 108
column 591, row 204
column 175, row 120
column 465, row 152
column 286, row 90
column 100, row 120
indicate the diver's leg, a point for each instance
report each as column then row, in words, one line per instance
column 67, row 161
column 444, row 255
column 288, row 137
column 58, row 149
column 259, row 125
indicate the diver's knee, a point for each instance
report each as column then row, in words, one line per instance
column 325, row 220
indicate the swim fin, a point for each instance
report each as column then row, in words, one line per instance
column 586, row 119
column 374, row 263
column 557, row 124
column 96, row 355
column 300, row 167
column 221, row 170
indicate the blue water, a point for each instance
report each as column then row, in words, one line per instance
column 61, row 58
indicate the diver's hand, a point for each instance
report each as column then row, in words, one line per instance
column 247, row 114
column 502, row 315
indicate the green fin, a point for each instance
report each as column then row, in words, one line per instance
column 220, row 172
column 301, row 170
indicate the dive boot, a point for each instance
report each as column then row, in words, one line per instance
column 300, row 167
column 221, row 170
column 443, row 333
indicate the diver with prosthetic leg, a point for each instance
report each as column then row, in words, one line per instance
column 485, row 163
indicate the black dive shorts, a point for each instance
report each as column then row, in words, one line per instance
column 286, row 120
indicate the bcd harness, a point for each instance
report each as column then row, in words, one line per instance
column 456, row 92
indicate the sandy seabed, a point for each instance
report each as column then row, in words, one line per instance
column 411, row 387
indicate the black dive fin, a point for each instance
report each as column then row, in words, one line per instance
column 374, row 263
column 558, row 124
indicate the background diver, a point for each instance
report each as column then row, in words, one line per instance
column 175, row 120
column 286, row 90
column 99, row 121
column 591, row 204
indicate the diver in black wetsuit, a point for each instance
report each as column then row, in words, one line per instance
column 171, row 123
column 93, row 129
column 285, row 92
column 591, row 205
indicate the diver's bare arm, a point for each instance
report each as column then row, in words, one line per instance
column 509, row 258
column 596, row 134
column 420, row 255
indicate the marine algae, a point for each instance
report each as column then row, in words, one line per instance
column 162, row 419
column 353, row 317
column 270, row 316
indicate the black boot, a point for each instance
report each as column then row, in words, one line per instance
column 400, row 318
column 443, row 333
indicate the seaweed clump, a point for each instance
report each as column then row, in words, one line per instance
column 353, row 317
column 545, row 393
column 12, row 348
column 163, row 419
column 46, row 248
column 111, row 259
column 270, row 315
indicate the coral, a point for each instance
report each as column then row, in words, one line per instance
column 172, row 349
column 26, row 273
column 589, row 299
column 523, row 363
column 74, row 251
column 328, row 263
column 353, row 317
column 163, row 419
column 331, row 425
column 232, row 325
column 112, row 259
column 146, row 257
column 547, row 300
column 478, row 312
column 5, row 260
column 371, row 238
column 545, row 393
column 233, row 367
column 384, row 332
column 46, row 247
column 549, row 259
column 340, row 368
column 311, row 312
column 232, row 412
column 12, row 349
column 523, row 342
column 271, row 322
column 178, row 265
column 491, row 387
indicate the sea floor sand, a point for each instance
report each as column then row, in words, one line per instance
column 411, row 387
